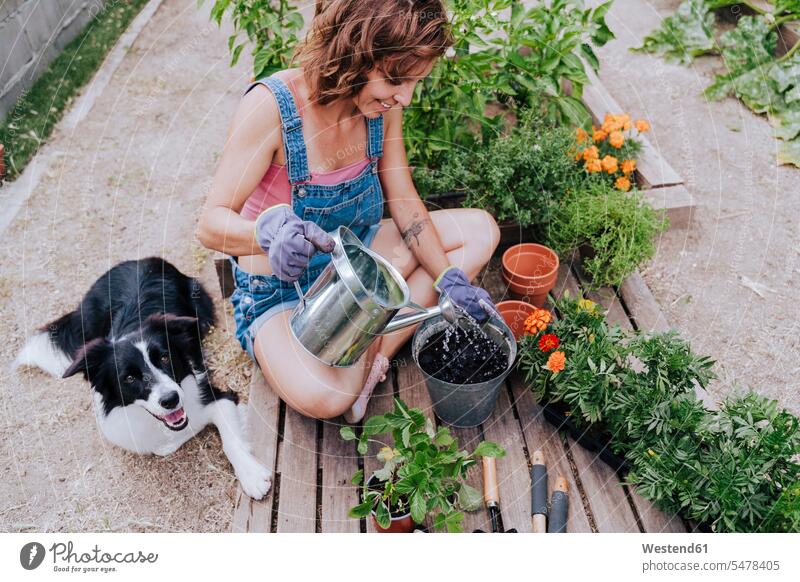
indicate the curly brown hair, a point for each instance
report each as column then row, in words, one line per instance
column 349, row 38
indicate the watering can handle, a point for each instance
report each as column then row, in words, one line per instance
column 300, row 293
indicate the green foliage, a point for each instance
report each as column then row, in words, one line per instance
column 270, row 26
column 619, row 227
column 508, row 53
column 31, row 121
column 731, row 468
column 516, row 177
column 424, row 472
column 754, row 75
column 684, row 35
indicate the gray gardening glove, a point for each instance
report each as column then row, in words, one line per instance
column 289, row 242
column 474, row 300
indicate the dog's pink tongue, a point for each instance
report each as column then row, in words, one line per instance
column 174, row 416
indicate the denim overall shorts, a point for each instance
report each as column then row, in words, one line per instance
column 356, row 203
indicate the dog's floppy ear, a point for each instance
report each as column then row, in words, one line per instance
column 87, row 358
column 174, row 324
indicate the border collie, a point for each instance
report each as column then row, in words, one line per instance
column 136, row 338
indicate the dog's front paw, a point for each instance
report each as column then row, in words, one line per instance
column 255, row 478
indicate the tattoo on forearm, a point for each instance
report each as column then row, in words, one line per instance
column 413, row 231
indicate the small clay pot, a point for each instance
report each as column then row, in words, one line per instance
column 399, row 524
column 515, row 313
column 530, row 271
column 402, row 524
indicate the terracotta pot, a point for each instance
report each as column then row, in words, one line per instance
column 515, row 313
column 530, row 271
column 403, row 524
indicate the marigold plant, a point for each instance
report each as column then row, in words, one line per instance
column 611, row 148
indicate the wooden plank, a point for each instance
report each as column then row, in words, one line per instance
column 224, row 275
column 604, row 494
column 411, row 387
column 673, row 201
column 606, row 297
column 513, row 474
column 540, row 435
column 641, row 304
column 339, row 461
column 297, row 463
column 652, row 170
column 468, row 439
column 381, row 402
column 263, row 409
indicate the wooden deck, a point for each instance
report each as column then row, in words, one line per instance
column 313, row 466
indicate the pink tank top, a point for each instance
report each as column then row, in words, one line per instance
column 274, row 187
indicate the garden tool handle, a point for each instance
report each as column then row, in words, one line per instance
column 491, row 494
column 538, row 493
column 559, row 507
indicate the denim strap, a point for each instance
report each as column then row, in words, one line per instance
column 291, row 129
column 375, row 137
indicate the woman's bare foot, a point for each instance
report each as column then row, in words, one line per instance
column 377, row 374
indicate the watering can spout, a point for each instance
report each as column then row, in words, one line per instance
column 445, row 309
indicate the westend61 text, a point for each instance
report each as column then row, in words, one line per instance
column 670, row 549
column 96, row 555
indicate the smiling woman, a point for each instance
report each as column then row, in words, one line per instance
column 319, row 146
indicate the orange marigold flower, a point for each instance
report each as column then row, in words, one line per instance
column 642, row 125
column 593, row 165
column 581, row 135
column 628, row 166
column 623, row 183
column 555, row 363
column 599, row 135
column 609, row 164
column 549, row 342
column 537, row 321
column 591, row 153
column 616, row 139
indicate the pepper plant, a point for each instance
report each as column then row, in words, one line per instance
column 423, row 470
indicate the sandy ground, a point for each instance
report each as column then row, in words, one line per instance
column 129, row 183
column 746, row 220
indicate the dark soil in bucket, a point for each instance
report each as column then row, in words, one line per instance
column 462, row 357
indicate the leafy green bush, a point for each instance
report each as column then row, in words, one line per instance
column 764, row 82
column 487, row 65
column 731, row 468
column 619, row 227
column 517, row 176
column 270, row 26
column 424, row 471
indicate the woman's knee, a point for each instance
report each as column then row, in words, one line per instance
column 483, row 234
column 315, row 403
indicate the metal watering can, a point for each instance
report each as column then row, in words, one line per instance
column 353, row 301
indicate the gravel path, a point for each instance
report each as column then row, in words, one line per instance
column 128, row 183
column 746, row 225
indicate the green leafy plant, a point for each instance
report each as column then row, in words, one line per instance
column 538, row 51
column 733, row 469
column 271, row 26
column 617, row 227
column 516, row 177
column 762, row 81
column 423, row 470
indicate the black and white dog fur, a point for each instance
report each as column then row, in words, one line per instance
column 136, row 338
